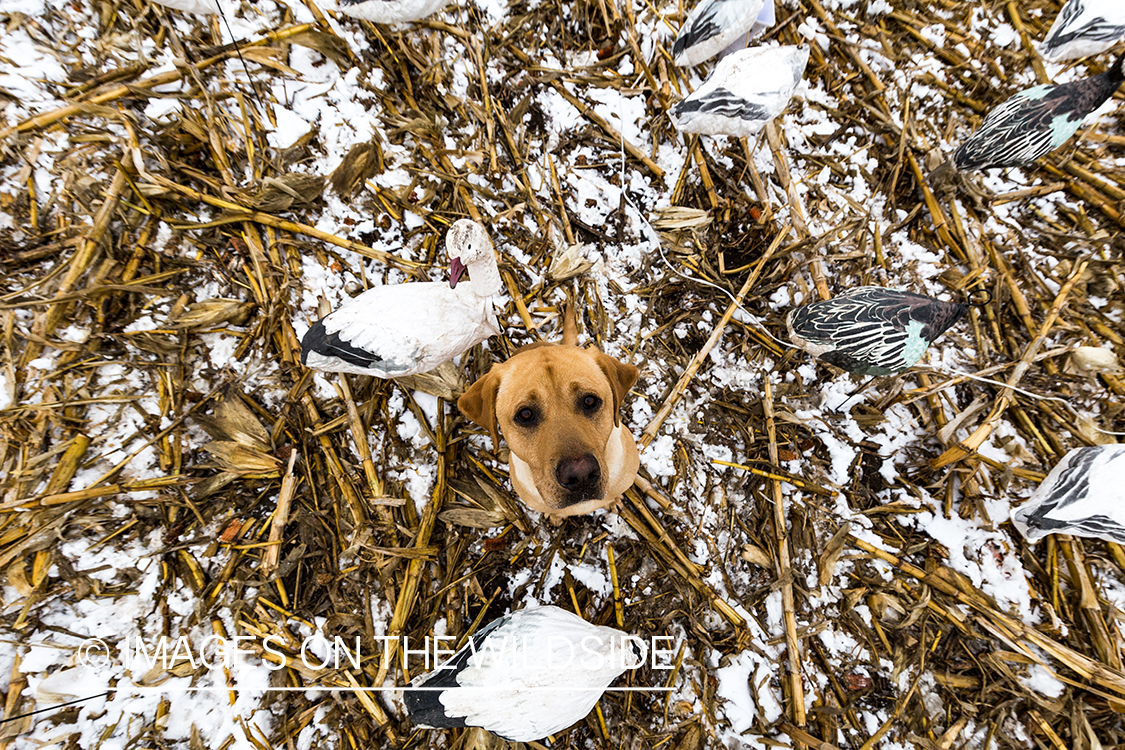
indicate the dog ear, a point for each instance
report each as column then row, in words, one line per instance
column 621, row 378
column 478, row 403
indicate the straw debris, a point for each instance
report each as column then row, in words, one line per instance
column 155, row 272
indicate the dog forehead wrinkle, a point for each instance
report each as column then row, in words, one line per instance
column 521, row 397
column 583, row 386
column 562, row 377
column 573, row 371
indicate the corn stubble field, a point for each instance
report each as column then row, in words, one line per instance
column 852, row 581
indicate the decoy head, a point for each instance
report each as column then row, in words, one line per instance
column 465, row 243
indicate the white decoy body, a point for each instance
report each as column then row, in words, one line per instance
column 1084, row 495
column 404, row 329
column 745, row 91
column 1084, row 28
column 390, row 11
column 716, row 24
column 524, row 676
column 201, row 7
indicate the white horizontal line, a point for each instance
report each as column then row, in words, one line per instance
column 147, row 689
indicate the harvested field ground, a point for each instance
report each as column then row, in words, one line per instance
column 174, row 213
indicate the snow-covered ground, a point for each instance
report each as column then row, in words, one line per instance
column 148, row 561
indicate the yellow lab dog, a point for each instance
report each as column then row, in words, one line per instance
column 557, row 406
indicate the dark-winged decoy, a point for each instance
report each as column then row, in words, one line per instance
column 404, row 329
column 1084, row 28
column 524, row 676
column 714, row 25
column 870, row 330
column 746, row 90
column 1036, row 121
column 390, row 11
column 1084, row 495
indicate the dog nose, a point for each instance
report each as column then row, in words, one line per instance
column 578, row 473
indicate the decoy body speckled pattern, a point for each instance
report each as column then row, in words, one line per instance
column 404, row 329
column 870, row 330
column 524, row 676
column 745, row 91
column 713, row 25
column 1036, row 121
column 1084, row 28
column 1084, row 495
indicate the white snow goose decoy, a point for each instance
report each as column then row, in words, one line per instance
column 1084, row 28
column 1084, row 495
column 390, row 11
column 715, row 25
column 524, row 676
column 745, row 91
column 404, row 329
column 200, row 7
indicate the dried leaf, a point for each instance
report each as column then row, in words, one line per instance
column 282, row 193
column 755, row 555
column 17, row 578
column 831, row 554
column 569, row 262
column 680, row 217
column 446, row 381
column 886, row 607
column 1092, row 432
column 1091, row 361
column 474, row 518
column 240, row 458
column 213, row 484
column 213, row 312
column 269, row 57
column 364, row 161
column 329, row 45
column 234, row 421
column 64, row 685
column 945, row 434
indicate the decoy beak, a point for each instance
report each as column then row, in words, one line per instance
column 456, row 268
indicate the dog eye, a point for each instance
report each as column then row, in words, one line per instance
column 590, row 402
column 525, row 416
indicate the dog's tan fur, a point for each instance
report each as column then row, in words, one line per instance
column 553, row 382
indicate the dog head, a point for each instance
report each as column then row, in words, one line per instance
column 558, row 408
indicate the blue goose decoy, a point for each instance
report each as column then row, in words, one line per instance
column 870, row 330
column 404, row 329
column 524, row 676
column 745, row 91
column 1084, row 495
column 1036, row 121
column 1084, row 28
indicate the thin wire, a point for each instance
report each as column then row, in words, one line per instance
column 238, row 51
column 660, row 245
column 696, row 279
column 1029, row 394
column 56, row 706
column 306, row 688
column 940, row 371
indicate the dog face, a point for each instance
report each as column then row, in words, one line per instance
column 557, row 406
